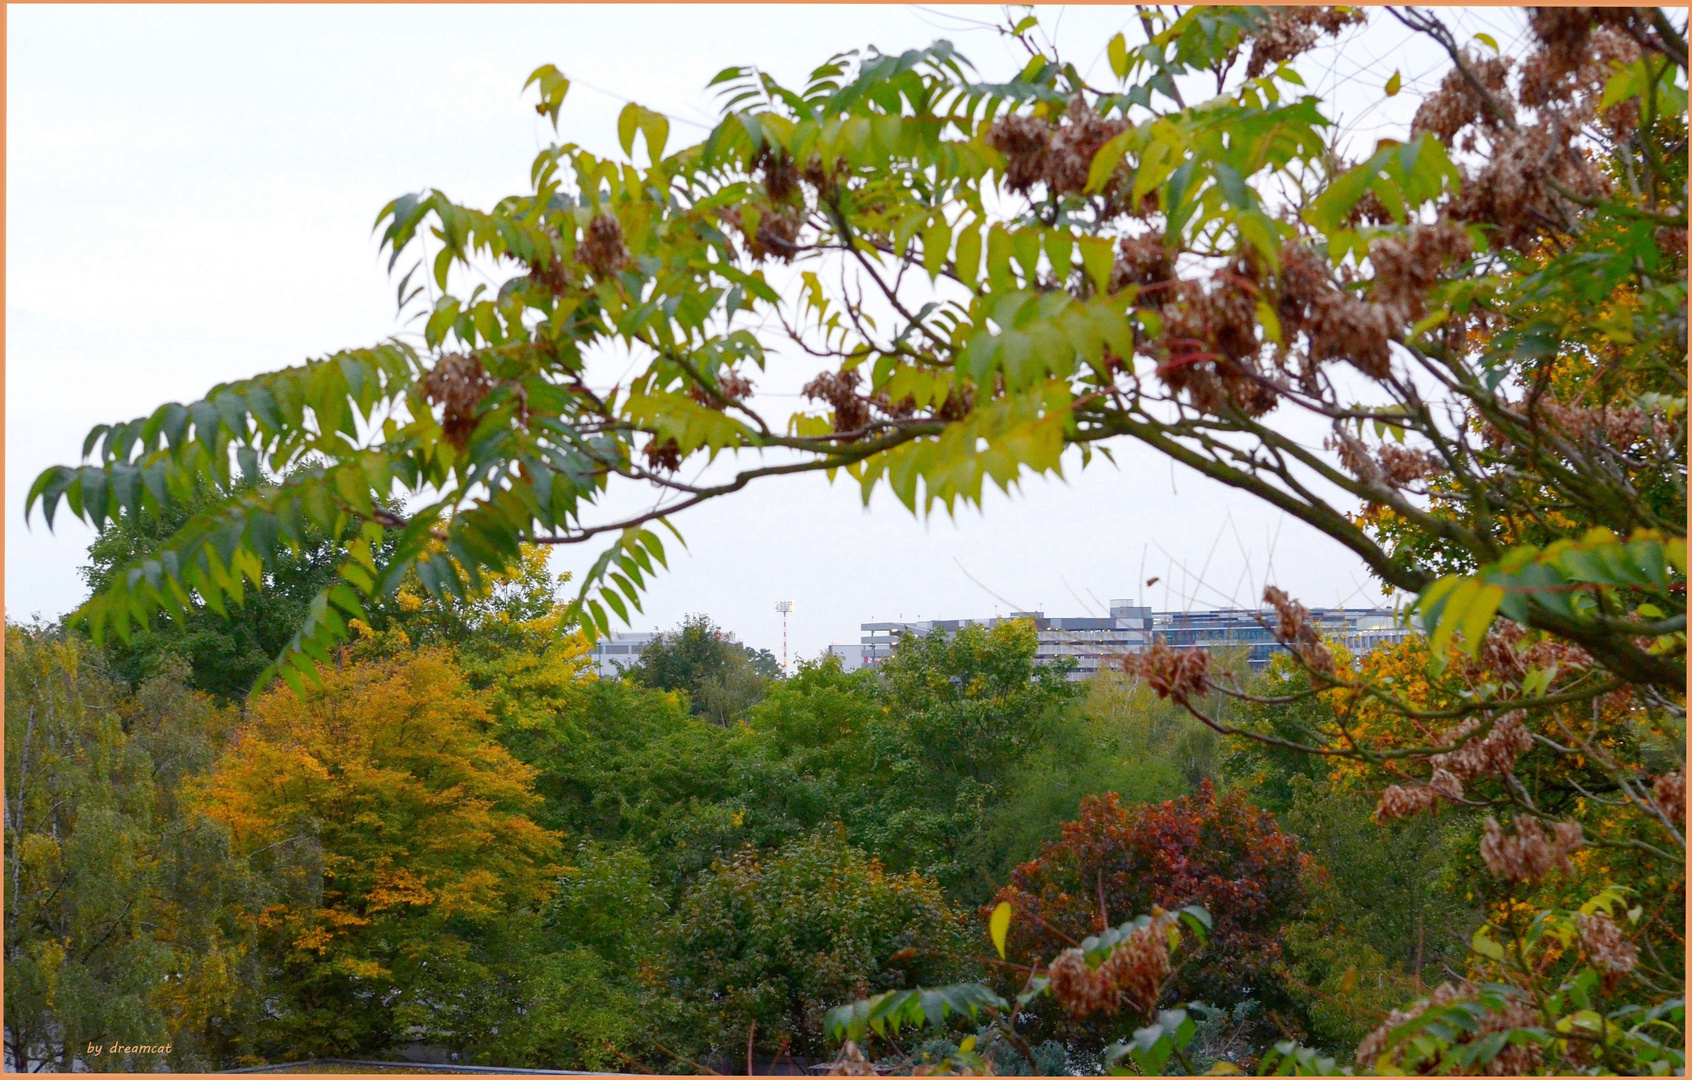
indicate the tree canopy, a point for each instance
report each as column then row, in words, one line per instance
column 1460, row 352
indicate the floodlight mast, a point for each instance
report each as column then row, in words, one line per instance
column 784, row 606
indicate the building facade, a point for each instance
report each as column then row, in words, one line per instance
column 1130, row 628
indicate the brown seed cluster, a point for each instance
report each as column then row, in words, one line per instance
column 1407, row 267
column 1211, row 352
column 601, row 249
column 1532, row 159
column 1402, row 466
column 1291, row 32
column 1619, row 427
column 1512, row 191
column 1529, row 854
column 850, row 1062
column 1395, row 466
column 1335, row 322
column 1670, row 792
column 1058, row 155
column 1294, row 630
column 1577, row 46
column 1178, row 674
column 777, row 234
column 781, row 178
column 840, row 391
column 1606, row 945
column 1502, row 655
column 552, row 276
column 1458, row 103
column 1143, row 261
column 663, row 456
column 1494, row 754
column 1132, row 975
column 457, row 384
column 1407, row 800
column 730, row 384
column 1511, row 1061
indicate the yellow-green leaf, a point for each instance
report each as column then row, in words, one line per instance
column 1098, row 258
column 1118, row 50
column 1482, row 943
column 999, row 926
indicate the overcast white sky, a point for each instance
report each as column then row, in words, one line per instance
column 190, row 192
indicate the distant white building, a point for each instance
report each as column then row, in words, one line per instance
column 851, row 656
column 613, row 653
column 1131, row 628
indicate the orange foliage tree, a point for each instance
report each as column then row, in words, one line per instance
column 383, row 785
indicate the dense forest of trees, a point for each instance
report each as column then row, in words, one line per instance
column 462, row 839
column 1462, row 355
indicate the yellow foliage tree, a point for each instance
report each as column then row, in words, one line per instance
column 412, row 845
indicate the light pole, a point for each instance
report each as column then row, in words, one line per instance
column 784, row 606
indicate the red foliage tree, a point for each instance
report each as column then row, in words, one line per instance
column 1117, row 862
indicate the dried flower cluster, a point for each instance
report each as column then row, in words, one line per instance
column 1529, row 855
column 1058, row 155
column 601, row 249
column 1294, row 630
column 1336, row 324
column 781, row 177
column 1618, row 427
column 777, row 233
column 850, row 1062
column 1397, row 467
column 1494, row 754
column 1142, row 261
column 1606, row 945
column 1502, row 655
column 1210, row 347
column 730, row 384
column 554, row 276
column 1459, row 103
column 1523, row 189
column 1178, row 674
column 1407, row 800
column 1670, row 793
column 1407, row 266
column 457, row 384
column 1513, row 191
column 1402, row 466
column 840, row 390
column 1132, row 975
column 1577, row 46
column 1517, row 1060
column 1290, row 32
column 663, row 455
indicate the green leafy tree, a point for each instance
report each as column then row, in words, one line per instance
column 122, row 914
column 225, row 650
column 778, row 938
column 961, row 713
column 721, row 678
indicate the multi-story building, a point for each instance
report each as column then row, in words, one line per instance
column 1130, row 628
column 616, row 651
